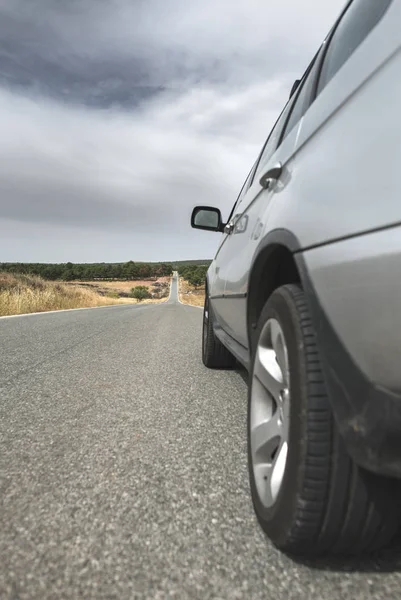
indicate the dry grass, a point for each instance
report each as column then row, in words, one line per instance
column 122, row 289
column 190, row 295
column 122, row 286
column 21, row 294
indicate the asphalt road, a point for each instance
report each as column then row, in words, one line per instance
column 123, row 469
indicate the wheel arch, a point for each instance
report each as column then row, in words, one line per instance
column 273, row 265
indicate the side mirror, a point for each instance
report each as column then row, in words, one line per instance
column 207, row 218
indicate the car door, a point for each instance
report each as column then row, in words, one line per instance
column 238, row 226
column 277, row 158
column 348, row 149
column 217, row 273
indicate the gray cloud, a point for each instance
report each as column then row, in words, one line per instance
column 118, row 117
column 117, row 52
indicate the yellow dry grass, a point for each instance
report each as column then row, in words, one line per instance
column 21, row 294
column 190, row 295
column 112, row 289
column 123, row 286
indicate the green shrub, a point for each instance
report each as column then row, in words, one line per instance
column 112, row 294
column 140, row 292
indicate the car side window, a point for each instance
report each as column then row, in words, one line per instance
column 304, row 95
column 242, row 193
column 273, row 140
column 356, row 24
column 246, row 185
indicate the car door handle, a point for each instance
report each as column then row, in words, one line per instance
column 271, row 175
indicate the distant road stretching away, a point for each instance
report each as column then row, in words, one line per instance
column 123, row 469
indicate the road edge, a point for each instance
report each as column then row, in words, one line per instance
column 63, row 310
column 178, row 295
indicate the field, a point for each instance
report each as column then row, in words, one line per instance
column 122, row 288
column 191, row 295
column 22, row 294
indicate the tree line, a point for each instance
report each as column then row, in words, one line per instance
column 90, row 272
column 195, row 275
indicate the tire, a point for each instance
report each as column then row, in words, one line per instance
column 323, row 502
column 214, row 354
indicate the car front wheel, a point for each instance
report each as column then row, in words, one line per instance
column 309, row 496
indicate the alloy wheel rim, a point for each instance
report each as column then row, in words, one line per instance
column 270, row 412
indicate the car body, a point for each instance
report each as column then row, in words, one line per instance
column 321, row 208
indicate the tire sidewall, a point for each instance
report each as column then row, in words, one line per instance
column 278, row 520
column 205, row 340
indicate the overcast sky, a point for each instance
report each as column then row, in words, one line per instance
column 118, row 116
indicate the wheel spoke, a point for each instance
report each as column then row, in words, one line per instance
column 270, row 412
column 265, row 438
column 271, row 474
column 268, row 372
column 263, row 473
column 278, row 469
column 280, row 350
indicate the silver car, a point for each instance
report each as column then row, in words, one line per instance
column 305, row 292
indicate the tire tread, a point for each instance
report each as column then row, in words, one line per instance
column 215, row 355
column 340, row 508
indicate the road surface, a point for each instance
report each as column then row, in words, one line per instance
column 123, row 469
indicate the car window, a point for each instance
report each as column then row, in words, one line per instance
column 246, row 185
column 356, row 24
column 274, row 137
column 242, row 193
column 304, row 95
